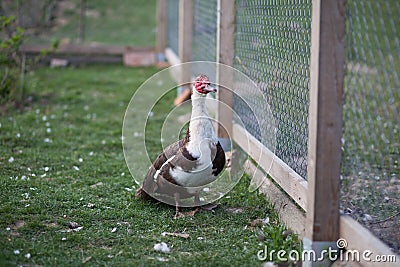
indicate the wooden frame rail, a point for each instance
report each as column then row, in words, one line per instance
column 291, row 182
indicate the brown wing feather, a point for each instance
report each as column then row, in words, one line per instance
column 149, row 185
column 219, row 160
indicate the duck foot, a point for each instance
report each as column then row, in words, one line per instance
column 209, row 207
column 178, row 215
column 191, row 213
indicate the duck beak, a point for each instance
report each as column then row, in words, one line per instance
column 210, row 89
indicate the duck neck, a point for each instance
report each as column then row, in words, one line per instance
column 200, row 126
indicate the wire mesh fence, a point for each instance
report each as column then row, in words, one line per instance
column 30, row 14
column 85, row 22
column 272, row 47
column 371, row 139
column 173, row 25
column 204, row 30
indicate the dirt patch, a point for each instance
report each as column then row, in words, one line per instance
column 375, row 204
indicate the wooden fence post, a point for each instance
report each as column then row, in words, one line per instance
column 161, row 30
column 325, row 125
column 225, row 55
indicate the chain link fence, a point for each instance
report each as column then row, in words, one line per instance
column 272, row 47
column 371, row 139
column 86, row 22
column 30, row 14
column 173, row 25
column 204, row 30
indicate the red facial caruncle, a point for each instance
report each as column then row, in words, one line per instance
column 203, row 85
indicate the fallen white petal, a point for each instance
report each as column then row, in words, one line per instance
column 163, row 247
column 184, row 235
column 136, row 134
column 269, row 264
column 76, row 168
column 11, row 159
column 28, row 255
column 367, row 217
column 17, row 252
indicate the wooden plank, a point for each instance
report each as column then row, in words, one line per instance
column 291, row 182
column 289, row 213
column 134, row 58
column 225, row 54
column 75, row 60
column 325, row 119
column 172, row 58
column 77, row 54
column 161, row 28
column 360, row 239
column 84, row 49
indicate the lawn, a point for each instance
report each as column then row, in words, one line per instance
column 62, row 162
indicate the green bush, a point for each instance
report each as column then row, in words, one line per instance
column 12, row 63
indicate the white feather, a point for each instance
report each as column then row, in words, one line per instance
column 159, row 170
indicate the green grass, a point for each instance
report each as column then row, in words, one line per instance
column 42, row 191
